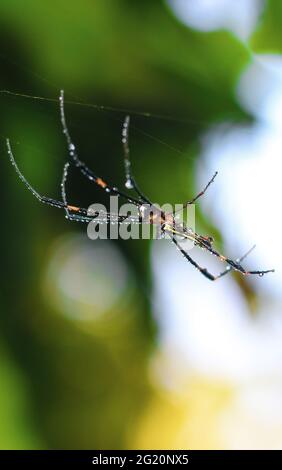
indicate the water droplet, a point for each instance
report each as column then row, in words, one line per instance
column 128, row 184
column 261, row 274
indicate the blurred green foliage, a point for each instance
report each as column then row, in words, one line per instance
column 268, row 36
column 87, row 390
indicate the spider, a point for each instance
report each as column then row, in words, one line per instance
column 167, row 221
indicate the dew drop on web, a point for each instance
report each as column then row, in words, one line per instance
column 128, row 184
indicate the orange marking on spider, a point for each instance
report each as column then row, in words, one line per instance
column 74, row 208
column 101, row 183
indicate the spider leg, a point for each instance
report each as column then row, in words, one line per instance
column 79, row 213
column 44, row 199
column 81, row 165
column 236, row 265
column 187, row 203
column 100, row 219
column 233, row 264
column 75, row 213
column 63, row 189
column 203, row 271
column 130, row 182
column 77, row 217
column 103, row 217
column 82, row 218
column 228, row 269
column 202, row 192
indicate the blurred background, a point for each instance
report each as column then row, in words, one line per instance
column 122, row 344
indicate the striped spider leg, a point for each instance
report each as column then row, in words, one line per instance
column 104, row 217
column 130, row 182
column 82, row 166
column 201, row 193
column 89, row 174
column 205, row 243
column 76, row 213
